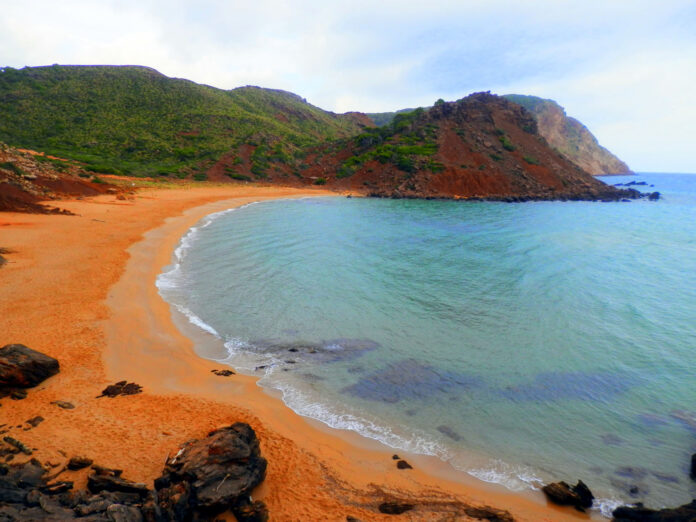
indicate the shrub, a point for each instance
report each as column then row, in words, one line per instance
column 531, row 160
column 320, row 181
column 238, row 177
column 200, row 176
column 506, row 143
column 10, row 165
column 495, row 157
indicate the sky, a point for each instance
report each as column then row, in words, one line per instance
column 625, row 68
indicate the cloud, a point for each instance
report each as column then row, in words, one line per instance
column 606, row 62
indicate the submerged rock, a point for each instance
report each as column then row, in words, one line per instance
column 639, row 513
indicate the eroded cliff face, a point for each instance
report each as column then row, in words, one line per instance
column 570, row 137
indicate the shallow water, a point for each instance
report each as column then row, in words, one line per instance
column 520, row 342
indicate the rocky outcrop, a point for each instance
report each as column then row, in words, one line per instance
column 480, row 147
column 563, row 494
column 639, row 513
column 570, row 137
column 204, row 478
column 22, row 367
column 213, row 474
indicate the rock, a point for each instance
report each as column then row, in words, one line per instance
column 64, row 404
column 22, row 367
column 35, row 421
column 57, row 487
column 97, row 483
column 693, row 466
column 217, row 470
column 76, row 463
column 639, row 513
column 121, row 513
column 578, row 496
column 395, row 508
column 402, row 464
column 18, row 395
column 654, row 196
column 121, row 388
column 449, row 432
column 247, row 511
column 489, row 513
column 17, row 444
column 223, row 373
column 99, row 470
column 396, row 457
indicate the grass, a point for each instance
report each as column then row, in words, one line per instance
column 128, row 120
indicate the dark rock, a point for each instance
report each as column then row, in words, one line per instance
column 27, row 475
column 693, row 466
column 561, row 493
column 402, row 464
column 489, row 513
column 223, row 373
column 654, row 196
column 121, row 388
column 22, row 367
column 57, row 488
column 76, row 463
column 64, row 404
column 247, row 511
column 11, row 494
column 100, row 470
column 18, row 395
column 639, row 513
column 219, row 469
column 35, row 421
column 449, row 432
column 174, row 501
column 121, row 513
column 17, row 444
column 97, row 483
column 396, row 457
column 96, row 505
column 394, row 508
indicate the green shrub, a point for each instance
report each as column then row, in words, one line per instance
column 238, row 177
column 320, row 181
column 200, row 176
column 495, row 157
column 531, row 160
column 11, row 166
column 506, row 143
column 97, row 180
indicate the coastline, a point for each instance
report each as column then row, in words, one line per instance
column 84, row 292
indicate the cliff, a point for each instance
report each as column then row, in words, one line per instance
column 570, row 137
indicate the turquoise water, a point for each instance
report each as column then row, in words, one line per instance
column 522, row 343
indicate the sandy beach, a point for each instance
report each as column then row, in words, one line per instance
column 82, row 289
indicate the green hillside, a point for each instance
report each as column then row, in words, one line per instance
column 134, row 120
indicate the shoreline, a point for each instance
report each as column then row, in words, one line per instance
column 125, row 330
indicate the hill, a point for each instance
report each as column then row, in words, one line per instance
column 482, row 146
column 134, row 120
column 570, row 137
column 28, row 178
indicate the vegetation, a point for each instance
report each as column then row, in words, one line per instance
column 134, row 120
column 405, row 142
column 531, row 160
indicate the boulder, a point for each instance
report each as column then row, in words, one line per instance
column 104, row 482
column 22, row 367
column 218, row 471
column 561, row 493
column 76, row 463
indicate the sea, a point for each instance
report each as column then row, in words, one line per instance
column 521, row 343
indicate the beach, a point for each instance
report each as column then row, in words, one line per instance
column 82, row 289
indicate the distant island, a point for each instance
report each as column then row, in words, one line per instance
column 134, row 121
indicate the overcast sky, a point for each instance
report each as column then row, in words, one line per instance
column 625, row 68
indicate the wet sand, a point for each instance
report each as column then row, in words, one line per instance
column 82, row 289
